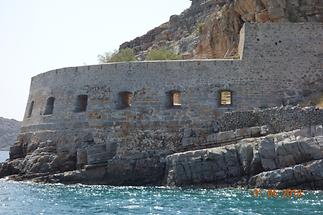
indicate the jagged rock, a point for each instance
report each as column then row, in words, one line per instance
column 246, row 155
column 202, row 166
column 308, row 175
column 9, row 168
column 267, row 154
column 210, row 29
column 274, row 158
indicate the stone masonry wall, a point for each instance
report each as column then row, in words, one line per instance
column 276, row 119
column 281, row 64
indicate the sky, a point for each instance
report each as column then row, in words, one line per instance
column 40, row 35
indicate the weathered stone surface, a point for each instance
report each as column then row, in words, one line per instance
column 274, row 120
column 210, row 29
column 9, row 168
column 267, row 154
column 128, row 146
column 308, row 175
column 265, row 157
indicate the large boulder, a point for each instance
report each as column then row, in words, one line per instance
column 308, row 176
column 268, row 160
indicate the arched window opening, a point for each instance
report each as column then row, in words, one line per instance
column 175, row 98
column 125, row 99
column 225, row 97
column 49, row 106
column 30, row 110
column 81, row 103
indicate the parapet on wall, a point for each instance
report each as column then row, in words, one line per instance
column 281, row 63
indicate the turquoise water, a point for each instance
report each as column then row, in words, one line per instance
column 29, row 198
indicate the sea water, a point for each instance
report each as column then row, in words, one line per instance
column 58, row 199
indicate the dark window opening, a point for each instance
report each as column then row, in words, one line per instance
column 175, row 98
column 30, row 111
column 125, row 99
column 225, row 97
column 81, row 103
column 49, row 106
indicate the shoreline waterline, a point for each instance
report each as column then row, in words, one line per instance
column 17, row 198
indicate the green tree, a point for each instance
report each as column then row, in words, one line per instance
column 162, row 54
column 121, row 55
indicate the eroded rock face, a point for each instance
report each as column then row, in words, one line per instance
column 210, row 28
column 308, row 176
column 281, row 160
column 47, row 152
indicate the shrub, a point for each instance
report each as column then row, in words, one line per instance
column 118, row 56
column 162, row 54
column 201, row 27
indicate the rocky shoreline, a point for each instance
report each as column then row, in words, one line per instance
column 182, row 123
column 284, row 160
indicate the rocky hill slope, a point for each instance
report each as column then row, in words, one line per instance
column 210, row 28
column 9, row 129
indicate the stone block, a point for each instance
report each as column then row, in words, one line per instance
column 212, row 138
column 285, row 161
column 255, row 131
column 225, row 136
column 243, row 133
column 189, row 141
column 267, row 148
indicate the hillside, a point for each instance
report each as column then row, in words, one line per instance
column 210, row 28
column 9, row 128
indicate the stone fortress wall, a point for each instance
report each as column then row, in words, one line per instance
column 279, row 64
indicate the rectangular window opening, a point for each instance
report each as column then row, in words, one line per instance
column 49, row 106
column 175, row 97
column 225, row 97
column 125, row 99
column 30, row 111
column 81, row 103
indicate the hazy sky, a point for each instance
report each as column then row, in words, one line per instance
column 40, row 35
